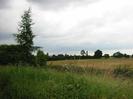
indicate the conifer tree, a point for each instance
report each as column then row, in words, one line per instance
column 25, row 37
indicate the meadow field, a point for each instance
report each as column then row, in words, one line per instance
column 69, row 79
column 110, row 63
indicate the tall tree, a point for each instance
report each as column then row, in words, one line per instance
column 25, row 36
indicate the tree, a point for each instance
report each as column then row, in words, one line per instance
column 82, row 52
column 118, row 55
column 98, row 54
column 41, row 58
column 25, row 36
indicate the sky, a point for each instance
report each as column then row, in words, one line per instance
column 68, row 26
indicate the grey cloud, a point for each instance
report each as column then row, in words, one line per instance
column 6, row 38
column 56, row 47
column 57, row 4
column 4, row 4
column 60, row 44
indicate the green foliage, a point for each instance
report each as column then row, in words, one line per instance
column 25, row 36
column 41, row 58
column 98, row 54
column 35, row 83
column 9, row 54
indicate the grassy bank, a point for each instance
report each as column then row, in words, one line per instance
column 42, row 83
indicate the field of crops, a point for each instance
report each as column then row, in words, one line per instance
column 96, row 63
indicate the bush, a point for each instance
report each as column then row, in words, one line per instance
column 41, row 58
column 9, row 54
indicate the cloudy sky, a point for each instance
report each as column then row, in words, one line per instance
column 67, row 26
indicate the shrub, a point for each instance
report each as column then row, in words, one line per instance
column 41, row 58
column 9, row 54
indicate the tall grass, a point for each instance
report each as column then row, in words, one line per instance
column 124, row 71
column 77, row 69
column 38, row 83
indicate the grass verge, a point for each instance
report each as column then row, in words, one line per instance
column 38, row 83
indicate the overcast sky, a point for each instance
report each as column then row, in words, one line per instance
column 68, row 26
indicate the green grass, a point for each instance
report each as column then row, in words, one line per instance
column 46, row 83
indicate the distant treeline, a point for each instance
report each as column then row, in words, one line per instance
column 12, row 54
column 68, row 57
column 84, row 55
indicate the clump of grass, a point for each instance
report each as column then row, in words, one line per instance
column 38, row 83
column 123, row 71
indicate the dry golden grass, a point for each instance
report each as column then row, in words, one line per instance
column 96, row 63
